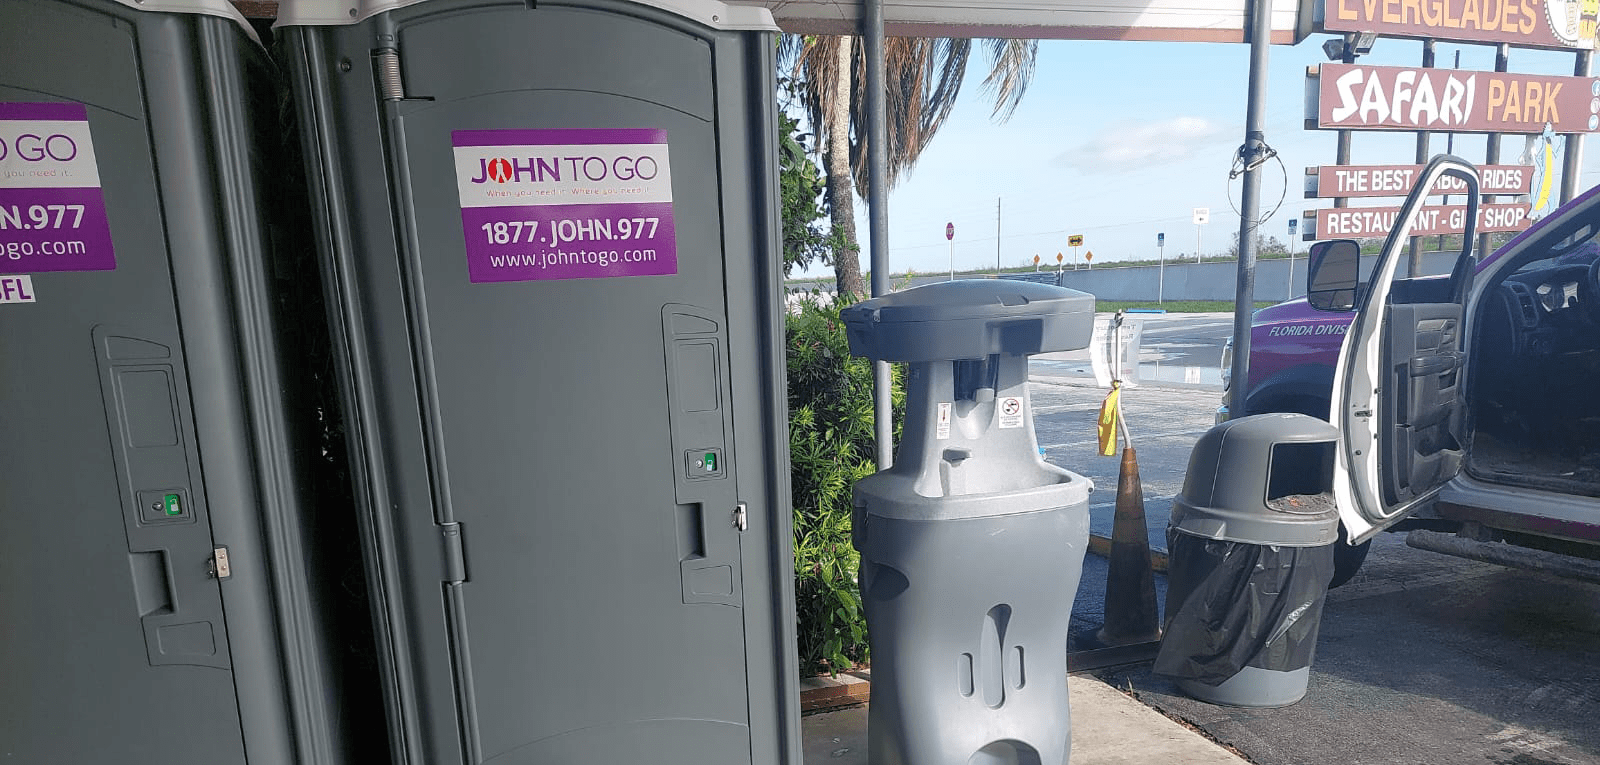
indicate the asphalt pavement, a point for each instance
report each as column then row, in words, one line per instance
column 1423, row 659
column 1427, row 660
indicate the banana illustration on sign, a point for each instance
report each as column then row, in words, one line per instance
column 1543, row 153
column 1542, row 199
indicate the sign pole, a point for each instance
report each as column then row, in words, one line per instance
column 1253, row 153
column 1502, row 63
column 1292, row 224
column 1424, row 146
column 1572, row 159
column 950, row 236
column 1161, row 267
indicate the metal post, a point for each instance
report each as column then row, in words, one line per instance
column 1290, row 295
column 1253, row 154
column 1422, row 159
column 878, row 214
column 1341, row 152
column 1341, row 156
column 1161, row 272
column 1502, row 62
column 1450, row 148
column 1572, row 163
column 952, row 242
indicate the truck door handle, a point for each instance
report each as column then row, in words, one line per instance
column 1422, row 366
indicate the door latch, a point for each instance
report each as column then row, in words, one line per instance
column 741, row 518
column 217, row 567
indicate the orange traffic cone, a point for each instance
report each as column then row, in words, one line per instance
column 1131, row 615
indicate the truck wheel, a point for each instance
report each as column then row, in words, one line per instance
column 1347, row 559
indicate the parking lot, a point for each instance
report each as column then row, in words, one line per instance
column 1422, row 658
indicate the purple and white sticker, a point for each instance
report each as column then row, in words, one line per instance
column 52, row 212
column 17, row 288
column 565, row 204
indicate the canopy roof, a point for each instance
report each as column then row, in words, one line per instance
column 1163, row 20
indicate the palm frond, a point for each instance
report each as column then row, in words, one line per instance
column 1011, row 68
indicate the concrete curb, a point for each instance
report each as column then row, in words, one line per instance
column 824, row 693
column 1108, row 727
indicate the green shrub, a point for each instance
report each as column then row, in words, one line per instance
column 832, row 444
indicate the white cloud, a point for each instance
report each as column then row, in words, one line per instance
column 1127, row 146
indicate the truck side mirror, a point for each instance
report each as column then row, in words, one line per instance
column 1333, row 275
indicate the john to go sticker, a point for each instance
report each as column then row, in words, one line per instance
column 52, row 212
column 565, row 204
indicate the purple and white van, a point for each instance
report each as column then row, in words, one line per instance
column 1468, row 402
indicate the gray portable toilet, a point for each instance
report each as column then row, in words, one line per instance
column 971, row 544
column 551, row 231
column 170, row 515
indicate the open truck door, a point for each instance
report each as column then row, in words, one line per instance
column 1398, row 384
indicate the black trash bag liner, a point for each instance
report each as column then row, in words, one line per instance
column 1232, row 605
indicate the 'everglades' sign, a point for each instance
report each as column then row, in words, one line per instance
column 1527, row 23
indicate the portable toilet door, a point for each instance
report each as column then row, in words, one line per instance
column 156, row 457
column 552, row 229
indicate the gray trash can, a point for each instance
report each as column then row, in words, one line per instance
column 971, row 544
column 1251, row 550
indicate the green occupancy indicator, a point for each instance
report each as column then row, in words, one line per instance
column 711, row 462
column 173, row 504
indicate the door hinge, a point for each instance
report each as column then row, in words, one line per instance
column 389, row 75
column 454, row 556
column 741, row 517
column 217, row 566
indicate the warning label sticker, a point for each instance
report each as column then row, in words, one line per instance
column 941, row 428
column 565, row 204
column 52, row 212
column 1010, row 410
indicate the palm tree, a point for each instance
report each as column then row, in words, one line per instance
column 923, row 79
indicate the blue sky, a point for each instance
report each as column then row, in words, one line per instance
column 1119, row 141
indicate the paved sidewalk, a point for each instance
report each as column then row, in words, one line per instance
column 1108, row 728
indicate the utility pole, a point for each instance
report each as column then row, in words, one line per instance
column 997, row 237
